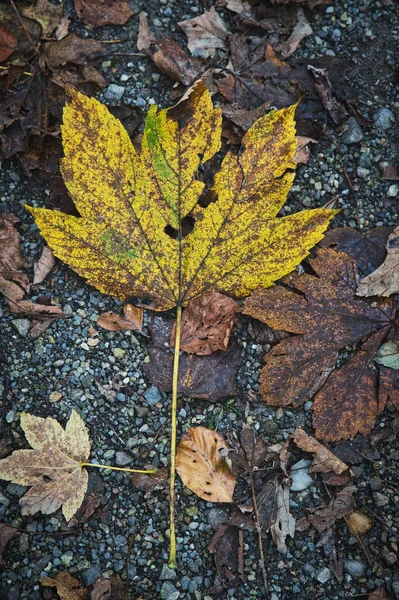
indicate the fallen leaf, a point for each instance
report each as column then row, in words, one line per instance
column 378, row 594
column 205, row 33
column 390, row 173
column 206, row 324
column 324, row 460
column 202, row 468
column 248, row 453
column 325, row 315
column 324, row 88
column 388, row 387
column 8, row 43
column 210, row 377
column 385, row 280
column 151, row 483
column 282, row 523
column 52, row 469
column 62, row 29
column 6, row 534
column 132, row 319
column 302, row 153
column 105, row 250
column 86, row 510
column 145, row 36
column 324, row 516
column 237, row 6
column 348, row 404
column 68, row 588
column 97, row 13
column 102, row 590
column 227, row 546
column 11, row 263
column 43, row 266
column 388, row 355
column 309, row 3
column 44, row 12
column 358, row 523
column 366, row 248
column 301, row 31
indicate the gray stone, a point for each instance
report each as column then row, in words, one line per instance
column 380, row 499
column 353, row 132
column 167, row 573
column 395, row 585
column 362, row 172
column 356, row 568
column 383, row 119
column 216, row 517
column 169, row 592
column 323, row 575
column 67, row 558
column 123, row 458
column 91, row 575
column 301, row 479
column 114, row 92
column 153, row 395
column 393, row 190
column 22, row 326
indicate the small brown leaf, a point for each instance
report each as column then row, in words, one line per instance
column 150, row 483
column 6, row 534
column 248, row 453
column 44, row 265
column 206, row 324
column 131, row 320
column 97, row 13
column 324, row 461
column 205, row 33
column 228, row 550
column 8, row 43
column 324, row 516
column 378, row 594
column 68, row 588
column 145, row 36
column 301, row 31
column 385, row 280
column 89, row 506
column 390, row 173
column 358, row 523
column 201, row 466
column 102, row 590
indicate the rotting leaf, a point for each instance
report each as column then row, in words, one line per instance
column 378, row 594
column 86, row 510
column 132, row 319
column 325, row 314
column 68, row 588
column 249, row 452
column 6, row 534
column 8, row 43
column 324, row 460
column 52, row 469
column 43, row 266
column 301, row 31
column 97, row 13
column 324, row 516
column 150, row 483
column 282, row 523
column 227, row 546
column 385, row 280
column 206, row 324
column 201, row 466
column 205, row 33
column 210, row 377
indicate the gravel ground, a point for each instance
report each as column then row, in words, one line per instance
column 61, row 361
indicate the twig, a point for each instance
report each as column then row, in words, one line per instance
column 260, row 542
column 129, row 550
column 107, row 54
column 47, row 533
column 6, row 384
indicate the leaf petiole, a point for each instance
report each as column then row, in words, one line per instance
column 146, row 472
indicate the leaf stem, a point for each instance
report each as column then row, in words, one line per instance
column 172, row 544
column 146, row 472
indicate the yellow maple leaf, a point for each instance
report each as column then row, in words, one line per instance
column 130, row 242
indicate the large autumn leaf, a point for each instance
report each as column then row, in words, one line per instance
column 53, row 469
column 130, row 203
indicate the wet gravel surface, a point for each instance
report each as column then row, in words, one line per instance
column 60, row 370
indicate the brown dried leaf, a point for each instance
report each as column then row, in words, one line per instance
column 324, row 516
column 68, row 588
column 131, row 320
column 97, row 13
column 201, row 466
column 206, row 324
column 102, row 590
column 388, row 388
column 328, row 317
column 309, row 3
column 209, row 377
column 145, row 36
column 8, row 43
column 227, row 546
column 378, row 594
column 348, row 404
column 150, row 483
column 302, row 153
column 44, row 12
column 11, row 263
column 358, row 523
column 385, row 280
column 390, row 173
column 282, row 523
column 44, row 265
column 324, row 460
column 205, row 33
column 248, row 453
column 89, row 506
column 6, row 534
column 301, row 31
column 367, row 248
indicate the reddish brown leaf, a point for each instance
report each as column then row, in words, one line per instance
column 68, row 588
column 102, row 589
column 228, row 548
column 6, row 534
column 324, row 460
column 324, row 516
column 206, row 324
column 131, row 320
column 89, row 506
column 390, row 173
column 207, row 377
column 96, row 13
column 249, row 452
column 328, row 316
column 151, row 483
column 348, row 403
column 388, row 387
column 8, row 43
column 309, row 3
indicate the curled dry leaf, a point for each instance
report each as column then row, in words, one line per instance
column 6, row 534
column 68, row 588
column 132, row 319
column 324, row 460
column 205, row 33
column 43, row 266
column 385, row 280
column 227, row 546
column 324, row 516
column 206, row 324
column 249, row 452
column 201, row 466
column 97, row 13
column 53, row 468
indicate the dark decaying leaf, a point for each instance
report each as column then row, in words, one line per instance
column 89, row 506
column 8, row 43
column 326, row 315
column 348, row 404
column 227, row 546
column 366, row 248
column 388, row 387
column 66, row 586
column 96, row 13
column 391, row 173
column 206, row 324
column 209, row 377
column 384, row 281
column 102, row 589
column 131, row 320
column 379, row 594
column 328, row 543
column 249, row 451
column 6, row 534
column 151, row 483
column 324, row 516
